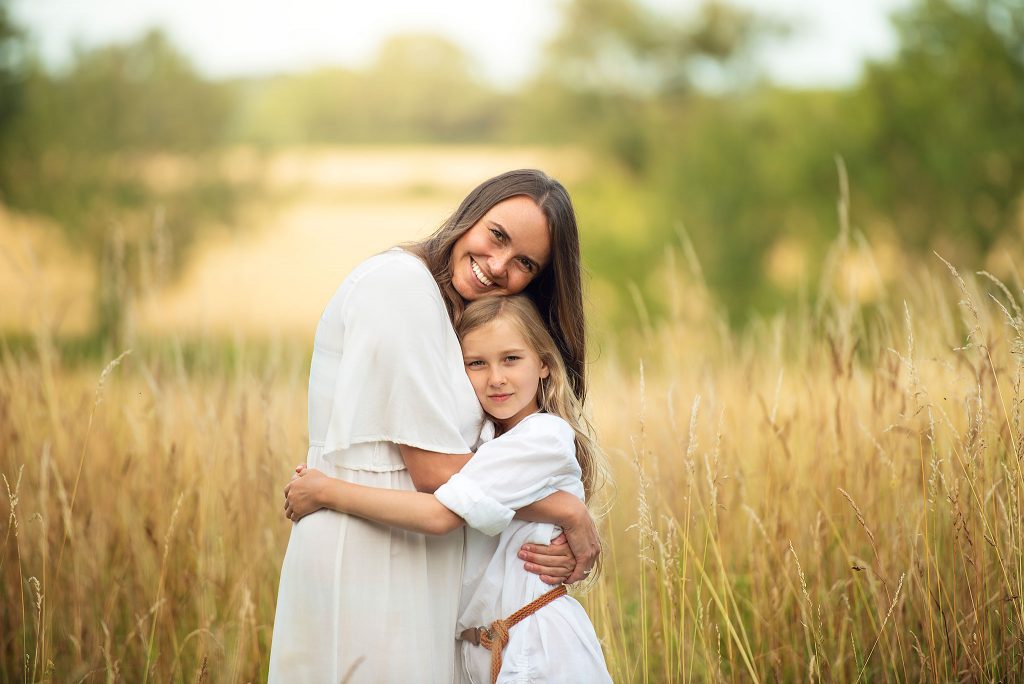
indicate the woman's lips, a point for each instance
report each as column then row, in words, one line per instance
column 482, row 280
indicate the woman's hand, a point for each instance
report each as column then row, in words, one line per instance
column 554, row 562
column 569, row 558
column 302, row 495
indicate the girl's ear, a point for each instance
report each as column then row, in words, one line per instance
column 544, row 370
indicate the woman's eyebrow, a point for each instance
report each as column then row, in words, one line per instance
column 497, row 225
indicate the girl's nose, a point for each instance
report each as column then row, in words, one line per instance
column 497, row 379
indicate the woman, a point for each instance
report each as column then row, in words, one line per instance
column 390, row 406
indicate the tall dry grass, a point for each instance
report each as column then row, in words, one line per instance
column 834, row 494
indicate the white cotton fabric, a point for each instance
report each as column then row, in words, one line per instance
column 361, row 602
column 557, row 644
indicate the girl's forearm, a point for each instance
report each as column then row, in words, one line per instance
column 412, row 511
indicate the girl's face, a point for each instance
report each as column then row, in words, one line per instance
column 503, row 251
column 504, row 370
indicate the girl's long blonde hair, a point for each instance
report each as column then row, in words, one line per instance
column 555, row 395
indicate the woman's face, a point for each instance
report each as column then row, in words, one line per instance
column 503, row 251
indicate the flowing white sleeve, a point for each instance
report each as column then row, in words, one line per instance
column 395, row 381
column 535, row 459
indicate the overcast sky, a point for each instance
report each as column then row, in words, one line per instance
column 234, row 37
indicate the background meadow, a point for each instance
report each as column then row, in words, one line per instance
column 806, row 314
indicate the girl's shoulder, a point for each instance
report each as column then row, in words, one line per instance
column 544, row 428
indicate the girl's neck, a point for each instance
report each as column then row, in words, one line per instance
column 503, row 426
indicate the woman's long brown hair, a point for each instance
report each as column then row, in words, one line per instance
column 556, row 290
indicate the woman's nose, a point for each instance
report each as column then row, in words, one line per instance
column 498, row 264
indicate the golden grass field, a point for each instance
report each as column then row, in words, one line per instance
column 832, row 494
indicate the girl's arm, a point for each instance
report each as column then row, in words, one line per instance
column 418, row 512
column 555, row 563
column 310, row 490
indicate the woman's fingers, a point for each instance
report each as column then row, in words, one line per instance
column 551, row 564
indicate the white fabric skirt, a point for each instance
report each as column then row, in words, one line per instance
column 361, row 602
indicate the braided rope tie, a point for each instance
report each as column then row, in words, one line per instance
column 495, row 637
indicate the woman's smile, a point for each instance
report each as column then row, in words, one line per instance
column 483, row 280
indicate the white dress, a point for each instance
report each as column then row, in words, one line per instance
column 362, row 602
column 557, row 644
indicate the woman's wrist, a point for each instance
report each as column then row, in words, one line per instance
column 575, row 514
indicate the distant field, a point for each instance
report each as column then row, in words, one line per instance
column 323, row 211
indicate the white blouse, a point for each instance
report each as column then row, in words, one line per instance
column 359, row 602
column 557, row 643
column 385, row 371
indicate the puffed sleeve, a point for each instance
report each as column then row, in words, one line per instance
column 530, row 462
column 400, row 362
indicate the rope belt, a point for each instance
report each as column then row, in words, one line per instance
column 495, row 637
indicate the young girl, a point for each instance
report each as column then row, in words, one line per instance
column 512, row 626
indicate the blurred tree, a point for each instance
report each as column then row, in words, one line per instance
column 12, row 56
column 943, row 148
column 632, row 83
column 932, row 138
column 77, row 151
column 420, row 88
column 616, row 66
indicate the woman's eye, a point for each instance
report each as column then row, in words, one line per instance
column 526, row 264
column 498, row 235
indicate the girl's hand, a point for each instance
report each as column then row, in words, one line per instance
column 302, row 495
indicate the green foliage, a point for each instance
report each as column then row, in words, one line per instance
column 932, row 140
column 420, row 88
column 944, row 150
column 76, row 151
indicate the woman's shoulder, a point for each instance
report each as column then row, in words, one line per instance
column 395, row 268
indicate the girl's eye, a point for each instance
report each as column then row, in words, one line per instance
column 474, row 364
column 511, row 359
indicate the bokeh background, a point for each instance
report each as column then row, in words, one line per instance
column 766, row 192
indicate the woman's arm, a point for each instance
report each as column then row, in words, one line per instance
column 311, row 490
column 429, row 469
